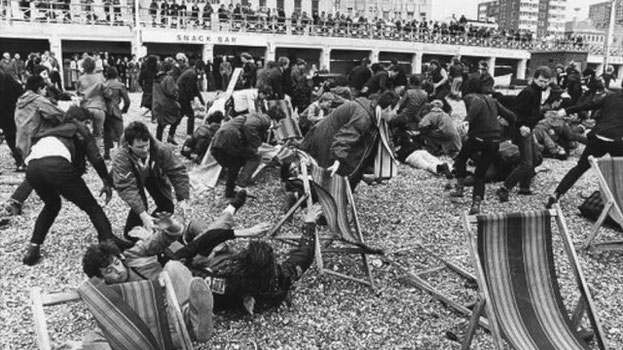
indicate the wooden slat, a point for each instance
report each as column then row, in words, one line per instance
column 471, row 327
column 579, row 277
column 60, row 297
column 482, row 284
column 285, row 218
column 174, row 308
column 43, row 338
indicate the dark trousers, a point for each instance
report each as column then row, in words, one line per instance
column 596, row 148
column 524, row 172
column 9, row 136
column 187, row 110
column 53, row 177
column 239, row 169
column 22, row 192
column 172, row 130
column 488, row 152
column 163, row 204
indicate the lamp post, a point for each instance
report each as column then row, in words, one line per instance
column 609, row 34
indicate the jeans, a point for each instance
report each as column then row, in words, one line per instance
column 99, row 116
column 53, row 177
column 524, row 172
column 596, row 148
column 488, row 152
column 22, row 192
column 163, row 204
column 239, row 170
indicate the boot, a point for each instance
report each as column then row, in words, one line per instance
column 458, row 188
column 172, row 141
column 32, row 256
column 475, row 208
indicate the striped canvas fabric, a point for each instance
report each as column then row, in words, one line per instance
column 612, row 170
column 517, row 260
column 385, row 164
column 331, row 193
column 131, row 315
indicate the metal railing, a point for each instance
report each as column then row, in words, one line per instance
column 117, row 15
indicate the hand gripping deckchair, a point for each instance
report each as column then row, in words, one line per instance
column 610, row 176
column 131, row 315
column 518, row 288
column 336, row 199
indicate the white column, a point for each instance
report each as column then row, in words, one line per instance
column 492, row 66
column 57, row 49
column 325, row 58
column 416, row 63
column 271, row 52
column 599, row 69
column 207, row 52
column 521, row 68
column 374, row 55
column 619, row 75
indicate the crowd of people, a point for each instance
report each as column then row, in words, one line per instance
column 345, row 125
column 208, row 15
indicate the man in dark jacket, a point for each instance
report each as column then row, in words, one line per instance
column 487, row 80
column 605, row 138
column 10, row 91
column 379, row 82
column 188, row 89
column 249, row 72
column 409, row 116
column 142, row 164
column 55, row 167
column 484, row 136
column 345, row 143
column 235, row 146
column 165, row 105
column 528, row 111
column 359, row 76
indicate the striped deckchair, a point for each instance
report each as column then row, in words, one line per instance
column 610, row 176
column 335, row 196
column 131, row 315
column 518, row 287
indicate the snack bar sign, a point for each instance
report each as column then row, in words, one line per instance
column 218, row 39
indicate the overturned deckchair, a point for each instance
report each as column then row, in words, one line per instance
column 335, row 196
column 610, row 176
column 131, row 315
column 518, row 287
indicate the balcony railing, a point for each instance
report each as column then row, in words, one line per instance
column 116, row 15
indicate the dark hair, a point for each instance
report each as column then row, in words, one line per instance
column 428, row 87
column 484, row 64
column 88, row 64
column 166, row 66
column 37, row 69
column 387, row 98
column 111, row 72
column 543, row 71
column 265, row 89
column 215, row 117
column 151, row 63
column 78, row 113
column 99, row 256
column 414, row 80
column 472, row 86
column 252, row 271
column 34, row 83
column 136, row 131
column 275, row 113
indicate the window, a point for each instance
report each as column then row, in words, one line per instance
column 244, row 3
column 297, row 5
column 280, row 4
column 262, row 3
column 314, row 6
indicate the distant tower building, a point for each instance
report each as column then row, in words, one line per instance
column 386, row 9
column 600, row 14
column 542, row 17
column 488, row 11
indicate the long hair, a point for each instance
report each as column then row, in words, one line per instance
column 252, row 271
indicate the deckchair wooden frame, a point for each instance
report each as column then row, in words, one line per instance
column 585, row 303
column 39, row 300
column 319, row 248
column 609, row 205
column 418, row 281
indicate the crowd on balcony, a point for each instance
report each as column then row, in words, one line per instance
column 198, row 14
